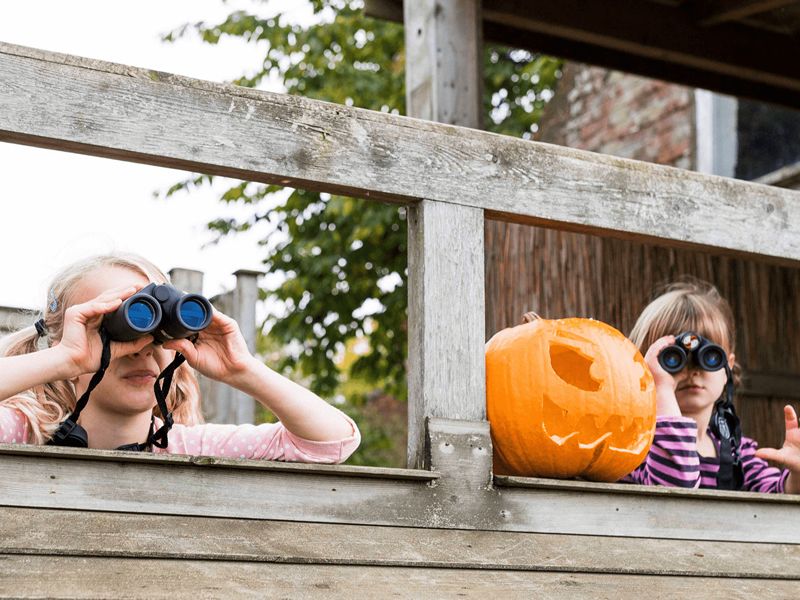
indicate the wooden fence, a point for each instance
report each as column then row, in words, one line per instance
column 97, row 523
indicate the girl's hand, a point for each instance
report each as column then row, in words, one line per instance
column 789, row 455
column 80, row 344
column 219, row 352
column 666, row 403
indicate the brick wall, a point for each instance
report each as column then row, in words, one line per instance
column 623, row 115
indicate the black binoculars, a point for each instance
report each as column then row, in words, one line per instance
column 160, row 310
column 690, row 346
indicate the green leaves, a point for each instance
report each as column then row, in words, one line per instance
column 343, row 260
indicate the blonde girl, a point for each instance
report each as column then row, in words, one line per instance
column 689, row 449
column 46, row 367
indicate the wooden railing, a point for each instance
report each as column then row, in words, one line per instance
column 451, row 179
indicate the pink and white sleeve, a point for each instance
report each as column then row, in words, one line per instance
column 269, row 441
column 13, row 426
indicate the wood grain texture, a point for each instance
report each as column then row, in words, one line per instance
column 462, row 497
column 139, row 115
column 91, row 577
column 82, row 533
column 446, row 365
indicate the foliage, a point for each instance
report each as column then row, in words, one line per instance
column 343, row 259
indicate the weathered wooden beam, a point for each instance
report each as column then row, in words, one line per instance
column 446, row 364
column 28, row 531
column 713, row 12
column 445, row 243
column 97, row 577
column 658, row 32
column 771, row 384
column 444, row 67
column 134, row 114
column 448, row 499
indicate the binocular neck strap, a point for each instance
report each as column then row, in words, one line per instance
column 161, row 387
column 725, row 425
column 69, row 425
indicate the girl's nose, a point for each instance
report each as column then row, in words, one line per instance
column 146, row 351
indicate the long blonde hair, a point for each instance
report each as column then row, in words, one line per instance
column 46, row 406
column 691, row 305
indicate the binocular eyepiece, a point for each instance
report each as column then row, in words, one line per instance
column 160, row 310
column 690, row 346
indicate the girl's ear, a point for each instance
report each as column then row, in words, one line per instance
column 731, row 360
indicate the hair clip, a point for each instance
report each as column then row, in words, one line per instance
column 53, row 301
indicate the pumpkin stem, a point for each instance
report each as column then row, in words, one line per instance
column 530, row 317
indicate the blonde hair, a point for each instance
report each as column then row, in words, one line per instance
column 692, row 305
column 46, row 406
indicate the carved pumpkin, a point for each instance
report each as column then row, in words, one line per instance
column 568, row 398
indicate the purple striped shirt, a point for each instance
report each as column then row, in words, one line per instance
column 673, row 461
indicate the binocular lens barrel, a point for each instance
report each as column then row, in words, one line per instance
column 672, row 359
column 137, row 316
column 193, row 313
column 142, row 315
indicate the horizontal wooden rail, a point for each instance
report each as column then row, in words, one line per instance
column 146, row 116
column 461, row 497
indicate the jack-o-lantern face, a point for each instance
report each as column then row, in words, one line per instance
column 568, row 398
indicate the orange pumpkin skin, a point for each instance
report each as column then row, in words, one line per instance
column 568, row 398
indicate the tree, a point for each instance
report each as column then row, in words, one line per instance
column 344, row 260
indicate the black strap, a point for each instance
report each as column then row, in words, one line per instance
column 69, row 433
column 161, row 387
column 726, row 426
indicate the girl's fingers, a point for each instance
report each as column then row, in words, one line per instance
column 770, row 454
column 183, row 346
column 790, row 417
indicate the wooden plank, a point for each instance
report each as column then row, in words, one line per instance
column 61, row 452
column 714, row 12
column 444, row 61
column 81, row 533
column 135, row 114
column 59, row 577
column 460, row 500
column 446, row 364
column 771, row 384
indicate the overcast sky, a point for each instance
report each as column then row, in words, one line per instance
column 58, row 207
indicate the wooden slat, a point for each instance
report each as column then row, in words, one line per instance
column 720, row 11
column 446, row 363
column 60, row 452
column 658, row 32
column 462, row 497
column 134, row 114
column 59, row 577
column 79, row 533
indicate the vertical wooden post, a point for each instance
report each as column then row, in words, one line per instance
column 187, row 280
column 222, row 403
column 245, row 298
column 444, row 46
column 446, row 265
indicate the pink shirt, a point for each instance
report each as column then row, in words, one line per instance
column 270, row 441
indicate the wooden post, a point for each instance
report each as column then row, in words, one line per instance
column 187, row 280
column 443, row 60
column 445, row 263
column 222, row 403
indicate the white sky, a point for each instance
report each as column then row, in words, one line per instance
column 58, row 207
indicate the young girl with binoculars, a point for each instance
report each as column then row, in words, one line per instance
column 687, row 335
column 126, row 371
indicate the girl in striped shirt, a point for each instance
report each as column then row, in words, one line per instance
column 686, row 448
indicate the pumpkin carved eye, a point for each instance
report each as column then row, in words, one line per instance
column 573, row 366
column 568, row 398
